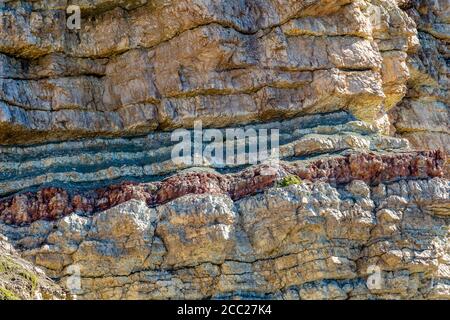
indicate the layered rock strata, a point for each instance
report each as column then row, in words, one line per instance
column 53, row 203
column 423, row 116
column 99, row 161
column 357, row 207
column 309, row 240
column 164, row 64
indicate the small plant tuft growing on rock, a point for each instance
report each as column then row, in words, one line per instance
column 288, row 181
column 5, row 294
column 11, row 269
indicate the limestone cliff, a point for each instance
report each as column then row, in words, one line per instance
column 423, row 115
column 356, row 207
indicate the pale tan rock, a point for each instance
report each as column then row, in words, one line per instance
column 423, row 116
column 135, row 67
column 285, row 242
column 395, row 74
column 97, row 106
column 192, row 238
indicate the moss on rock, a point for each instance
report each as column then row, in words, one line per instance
column 288, row 181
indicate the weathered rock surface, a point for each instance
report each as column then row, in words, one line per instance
column 99, row 161
column 163, row 64
column 19, row 279
column 52, row 203
column 310, row 240
column 423, row 116
column 357, row 208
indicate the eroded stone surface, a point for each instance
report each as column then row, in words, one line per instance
column 354, row 86
column 52, row 203
column 283, row 243
column 423, row 116
column 19, row 279
column 165, row 64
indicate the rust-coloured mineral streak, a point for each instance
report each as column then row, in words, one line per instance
column 52, row 203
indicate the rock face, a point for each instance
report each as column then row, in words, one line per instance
column 19, row 279
column 53, row 203
column 355, row 204
column 423, row 116
column 166, row 63
column 310, row 240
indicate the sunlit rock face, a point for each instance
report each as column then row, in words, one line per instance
column 20, row 279
column 423, row 115
column 163, row 64
column 310, row 240
column 356, row 207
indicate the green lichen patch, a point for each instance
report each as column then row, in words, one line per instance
column 288, row 181
column 5, row 294
column 14, row 275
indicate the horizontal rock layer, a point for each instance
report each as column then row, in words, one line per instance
column 423, row 115
column 97, row 162
column 52, row 203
